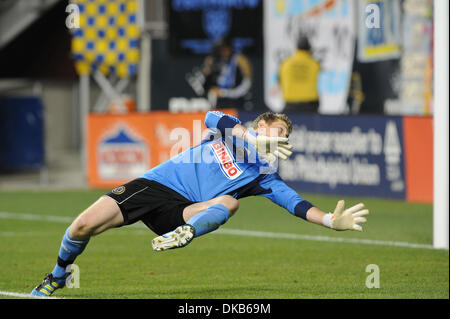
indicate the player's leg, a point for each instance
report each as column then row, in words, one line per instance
column 100, row 216
column 207, row 216
column 230, row 203
column 201, row 218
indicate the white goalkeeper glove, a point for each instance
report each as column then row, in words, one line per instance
column 347, row 219
column 269, row 147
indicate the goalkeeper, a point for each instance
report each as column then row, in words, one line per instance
column 198, row 190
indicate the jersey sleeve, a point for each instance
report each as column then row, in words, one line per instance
column 284, row 196
column 218, row 121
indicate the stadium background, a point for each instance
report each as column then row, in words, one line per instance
column 78, row 112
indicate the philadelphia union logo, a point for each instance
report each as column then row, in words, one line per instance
column 119, row 190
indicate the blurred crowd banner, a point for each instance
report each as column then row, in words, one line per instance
column 417, row 57
column 330, row 27
column 123, row 147
column 379, row 34
column 376, row 156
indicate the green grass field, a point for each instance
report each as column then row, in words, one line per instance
column 310, row 262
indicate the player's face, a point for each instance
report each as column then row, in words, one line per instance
column 276, row 128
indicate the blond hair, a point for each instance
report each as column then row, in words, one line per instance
column 270, row 117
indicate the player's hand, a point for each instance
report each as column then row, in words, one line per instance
column 269, row 158
column 349, row 218
column 269, row 146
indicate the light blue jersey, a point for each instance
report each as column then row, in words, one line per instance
column 225, row 165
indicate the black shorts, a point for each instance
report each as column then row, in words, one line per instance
column 157, row 206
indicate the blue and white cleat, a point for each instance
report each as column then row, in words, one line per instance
column 178, row 238
column 48, row 286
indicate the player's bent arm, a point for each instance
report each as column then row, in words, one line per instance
column 224, row 123
column 265, row 145
column 238, row 131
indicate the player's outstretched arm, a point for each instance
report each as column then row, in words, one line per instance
column 284, row 196
column 341, row 218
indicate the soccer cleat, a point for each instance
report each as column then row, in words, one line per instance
column 178, row 238
column 49, row 285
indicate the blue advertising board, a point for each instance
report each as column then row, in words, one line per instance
column 21, row 133
column 345, row 155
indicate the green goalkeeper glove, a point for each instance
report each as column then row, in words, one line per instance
column 347, row 219
column 268, row 146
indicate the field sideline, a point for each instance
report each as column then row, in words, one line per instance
column 261, row 252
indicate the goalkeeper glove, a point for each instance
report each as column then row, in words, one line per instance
column 346, row 219
column 269, row 147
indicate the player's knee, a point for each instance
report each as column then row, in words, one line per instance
column 229, row 202
column 81, row 227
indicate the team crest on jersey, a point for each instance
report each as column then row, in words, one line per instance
column 225, row 159
column 119, row 190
